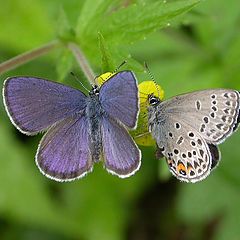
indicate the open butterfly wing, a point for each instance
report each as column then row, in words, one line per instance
column 63, row 153
column 119, row 98
column 121, row 154
column 34, row 104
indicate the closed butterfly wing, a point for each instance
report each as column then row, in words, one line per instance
column 34, row 104
column 187, row 153
column 63, row 153
column 119, row 98
column 121, row 154
column 188, row 127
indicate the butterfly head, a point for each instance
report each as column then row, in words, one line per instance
column 153, row 100
column 94, row 91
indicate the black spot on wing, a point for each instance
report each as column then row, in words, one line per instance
column 159, row 153
column 238, row 121
column 215, row 155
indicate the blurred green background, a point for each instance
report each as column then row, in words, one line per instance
column 198, row 49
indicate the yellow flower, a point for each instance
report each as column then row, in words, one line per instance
column 149, row 87
column 104, row 77
column 141, row 134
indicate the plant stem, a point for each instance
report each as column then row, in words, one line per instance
column 82, row 61
column 27, row 56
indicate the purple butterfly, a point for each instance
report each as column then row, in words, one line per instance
column 79, row 128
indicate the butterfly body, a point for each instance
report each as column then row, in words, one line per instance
column 188, row 128
column 94, row 113
column 79, row 128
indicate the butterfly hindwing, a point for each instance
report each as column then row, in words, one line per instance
column 187, row 153
column 121, row 154
column 34, row 104
column 64, row 151
column 216, row 155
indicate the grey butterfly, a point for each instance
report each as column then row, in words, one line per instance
column 188, row 128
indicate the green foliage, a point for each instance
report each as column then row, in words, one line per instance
column 64, row 64
column 123, row 25
column 91, row 14
column 136, row 21
column 107, row 63
column 64, row 31
column 199, row 49
column 30, row 23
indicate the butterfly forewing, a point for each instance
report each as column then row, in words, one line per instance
column 214, row 113
column 63, row 153
column 34, row 104
column 119, row 98
column 122, row 156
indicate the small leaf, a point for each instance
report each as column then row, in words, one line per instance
column 120, row 54
column 64, row 31
column 107, row 63
column 64, row 64
column 91, row 13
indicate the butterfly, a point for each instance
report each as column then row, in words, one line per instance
column 188, row 128
column 80, row 128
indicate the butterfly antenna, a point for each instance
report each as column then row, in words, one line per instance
column 152, row 78
column 144, row 93
column 79, row 81
column 116, row 70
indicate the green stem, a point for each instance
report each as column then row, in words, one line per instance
column 82, row 61
column 28, row 56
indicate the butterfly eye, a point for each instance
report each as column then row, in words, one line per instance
column 153, row 100
column 95, row 90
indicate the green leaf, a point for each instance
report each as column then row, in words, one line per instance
column 121, row 54
column 90, row 14
column 107, row 62
column 136, row 21
column 64, row 31
column 64, row 64
column 125, row 24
